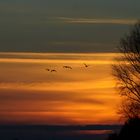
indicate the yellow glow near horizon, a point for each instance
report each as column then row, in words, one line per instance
column 30, row 94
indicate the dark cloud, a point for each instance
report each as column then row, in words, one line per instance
column 47, row 95
column 33, row 26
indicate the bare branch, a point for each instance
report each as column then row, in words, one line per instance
column 127, row 72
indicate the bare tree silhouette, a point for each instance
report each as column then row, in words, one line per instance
column 127, row 73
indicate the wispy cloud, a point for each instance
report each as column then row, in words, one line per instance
column 98, row 21
column 57, row 58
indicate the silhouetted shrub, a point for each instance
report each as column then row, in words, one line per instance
column 131, row 130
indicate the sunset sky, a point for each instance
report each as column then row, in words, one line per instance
column 30, row 94
column 40, row 34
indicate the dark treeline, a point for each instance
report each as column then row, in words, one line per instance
column 55, row 132
column 62, row 127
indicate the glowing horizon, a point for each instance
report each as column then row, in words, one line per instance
column 31, row 95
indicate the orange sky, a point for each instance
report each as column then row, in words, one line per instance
column 31, row 95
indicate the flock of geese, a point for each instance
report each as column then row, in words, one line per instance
column 65, row 67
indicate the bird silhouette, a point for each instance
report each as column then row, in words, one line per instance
column 53, row 71
column 86, row 65
column 67, row 67
column 47, row 69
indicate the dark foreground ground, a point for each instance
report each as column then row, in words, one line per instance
column 40, row 132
